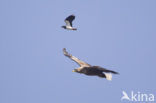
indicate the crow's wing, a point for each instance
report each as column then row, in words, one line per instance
column 105, row 70
column 79, row 62
column 69, row 20
column 68, row 23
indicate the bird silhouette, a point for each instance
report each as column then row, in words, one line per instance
column 68, row 21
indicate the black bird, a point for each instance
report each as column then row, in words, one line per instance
column 87, row 69
column 68, row 22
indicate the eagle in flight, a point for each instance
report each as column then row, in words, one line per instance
column 68, row 22
column 88, row 69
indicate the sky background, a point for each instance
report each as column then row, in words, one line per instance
column 116, row 34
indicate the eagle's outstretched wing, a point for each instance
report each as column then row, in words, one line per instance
column 79, row 62
column 69, row 20
column 105, row 70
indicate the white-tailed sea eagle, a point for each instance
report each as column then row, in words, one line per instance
column 87, row 69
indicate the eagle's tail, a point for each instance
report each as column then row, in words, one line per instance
column 108, row 76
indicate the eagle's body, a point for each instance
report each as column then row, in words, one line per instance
column 68, row 22
column 92, row 71
column 87, row 69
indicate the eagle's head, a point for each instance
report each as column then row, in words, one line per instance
column 75, row 70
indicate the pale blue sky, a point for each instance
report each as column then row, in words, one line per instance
column 115, row 34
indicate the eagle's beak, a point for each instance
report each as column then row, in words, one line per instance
column 73, row 70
